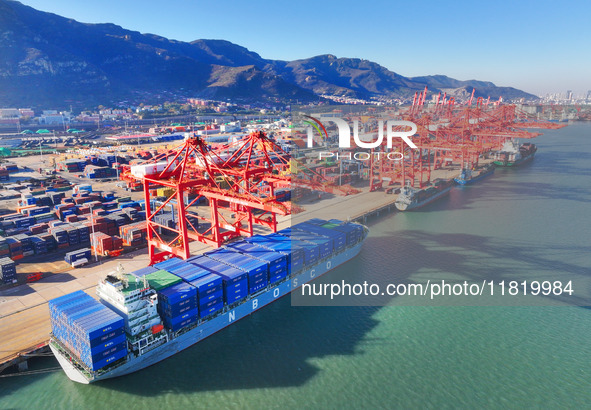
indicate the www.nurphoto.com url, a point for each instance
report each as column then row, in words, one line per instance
column 434, row 289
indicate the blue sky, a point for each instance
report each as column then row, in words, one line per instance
column 538, row 46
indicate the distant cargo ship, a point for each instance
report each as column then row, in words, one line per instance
column 467, row 176
column 411, row 198
column 512, row 154
column 151, row 314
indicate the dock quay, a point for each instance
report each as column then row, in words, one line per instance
column 374, row 212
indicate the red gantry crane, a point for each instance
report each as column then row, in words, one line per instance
column 459, row 134
column 239, row 181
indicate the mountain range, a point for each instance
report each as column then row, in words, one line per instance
column 52, row 61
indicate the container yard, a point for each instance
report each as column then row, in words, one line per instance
column 77, row 223
column 47, row 222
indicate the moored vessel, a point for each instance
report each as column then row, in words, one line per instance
column 145, row 316
column 512, row 154
column 412, row 198
column 468, row 176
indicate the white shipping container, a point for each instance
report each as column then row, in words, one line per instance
column 148, row 169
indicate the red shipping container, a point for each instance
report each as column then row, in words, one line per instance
column 72, row 218
column 101, row 243
column 117, row 243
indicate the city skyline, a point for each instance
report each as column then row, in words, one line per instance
column 533, row 46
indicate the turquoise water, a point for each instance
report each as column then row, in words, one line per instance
column 530, row 223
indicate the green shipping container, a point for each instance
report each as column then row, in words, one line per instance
column 162, row 279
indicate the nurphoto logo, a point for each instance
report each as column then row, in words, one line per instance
column 393, row 129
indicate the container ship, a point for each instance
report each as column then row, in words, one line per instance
column 148, row 315
column 411, row 198
column 513, row 154
column 467, row 176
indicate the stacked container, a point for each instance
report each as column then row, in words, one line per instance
column 37, row 210
column 61, row 237
column 24, row 223
column 120, row 219
column 284, row 245
column 101, row 243
column 338, row 239
column 16, row 250
column 49, row 241
column 72, row 165
column 314, row 247
column 208, row 285
column 325, row 245
column 178, row 306
column 4, row 174
column 83, row 233
column 210, row 293
column 28, row 199
column 276, row 261
column 166, row 219
column 73, row 235
column 92, row 171
column 39, row 245
column 235, row 281
column 256, row 269
column 106, row 160
column 4, row 248
column 89, row 330
column 44, row 201
column 283, row 194
column 7, row 270
column 187, row 271
column 82, row 187
column 38, row 228
column 353, row 232
column 26, row 244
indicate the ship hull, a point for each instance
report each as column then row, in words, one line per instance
column 521, row 161
column 410, row 207
column 471, row 180
column 208, row 328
